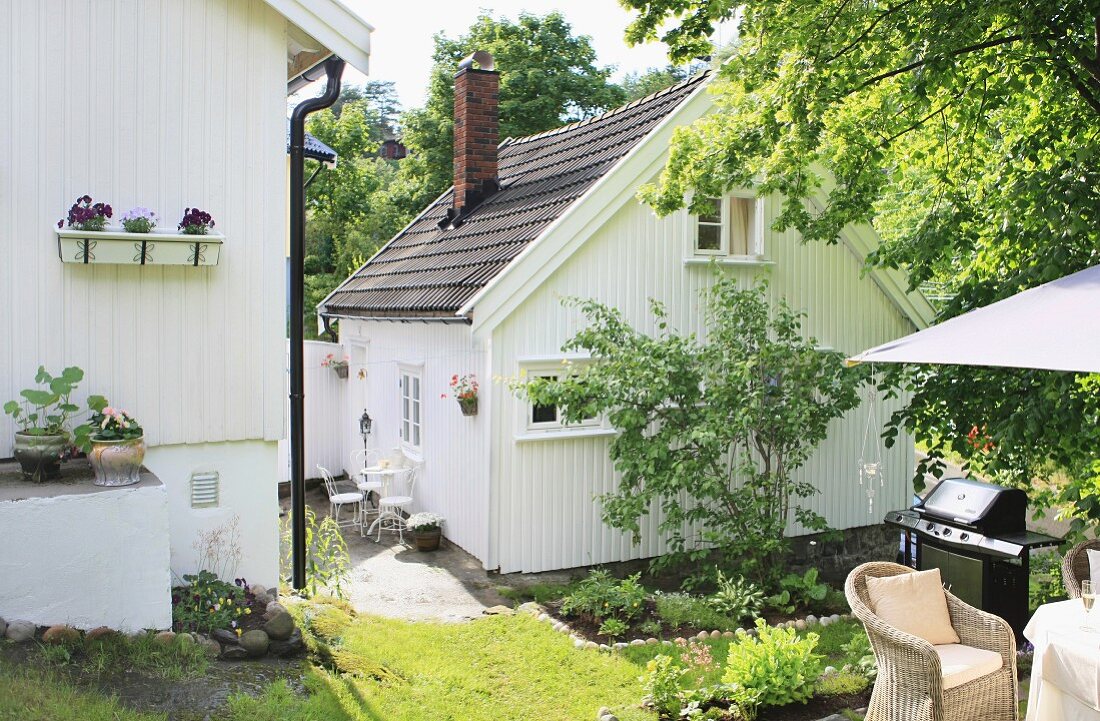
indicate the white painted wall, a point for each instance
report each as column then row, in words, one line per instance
column 455, row 478
column 87, row 560
column 326, row 424
column 248, row 480
column 543, row 510
column 168, row 105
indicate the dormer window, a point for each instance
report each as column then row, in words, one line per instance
column 729, row 227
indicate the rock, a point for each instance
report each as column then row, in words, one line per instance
column 100, row 632
column 591, row 645
column 728, row 634
column 185, row 639
column 751, row 632
column 800, row 625
column 825, row 621
column 20, row 631
column 651, row 641
column 604, row 647
column 532, row 608
column 165, row 638
column 225, row 636
column 604, row 710
column 811, row 620
column 543, row 617
column 289, row 647
column 637, row 642
column 280, row 626
column 702, row 635
column 829, row 671
column 213, row 648
column 666, row 642
column 255, row 642
column 620, row 646
column 60, row 634
column 578, row 643
column 234, row 653
column 273, row 608
column 259, row 590
column 836, row 617
column 716, row 634
column 680, row 640
column 498, row 611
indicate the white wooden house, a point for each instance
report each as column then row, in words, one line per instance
column 167, row 105
column 474, row 285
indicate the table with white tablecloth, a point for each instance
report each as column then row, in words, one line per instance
column 1065, row 676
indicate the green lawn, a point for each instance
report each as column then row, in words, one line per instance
column 35, row 695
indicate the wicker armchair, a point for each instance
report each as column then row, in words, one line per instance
column 1075, row 567
column 909, row 686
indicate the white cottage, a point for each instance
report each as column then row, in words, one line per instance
column 474, row 285
column 167, row 105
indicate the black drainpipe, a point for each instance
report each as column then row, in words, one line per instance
column 334, row 68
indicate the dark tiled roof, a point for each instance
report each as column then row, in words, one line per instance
column 314, row 148
column 426, row 271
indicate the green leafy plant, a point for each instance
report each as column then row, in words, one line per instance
column 111, row 424
column 860, row 655
column 208, row 603
column 601, row 596
column 650, row 627
column 1046, row 579
column 842, row 683
column 327, row 559
column 737, row 598
column 661, row 683
column 684, row 610
column 48, row 409
column 774, row 668
column 613, row 628
column 709, row 431
column 798, row 591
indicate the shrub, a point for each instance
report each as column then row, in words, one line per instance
column 775, row 668
column 603, row 596
column 652, row 627
column 207, row 603
column 327, row 559
column 843, row 683
column 661, row 683
column 682, row 609
column 736, row 597
column 798, row 591
column 861, row 656
column 612, row 628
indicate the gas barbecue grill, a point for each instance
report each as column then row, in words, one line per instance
column 975, row 533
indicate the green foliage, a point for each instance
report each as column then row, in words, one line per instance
column 651, row 627
column 327, row 559
column 969, row 135
column 799, row 591
column 774, row 668
column 661, row 683
column 737, row 598
column 709, row 432
column 601, row 596
column 207, row 603
column 842, row 684
column 684, row 610
column 613, row 628
column 1045, row 583
column 47, row 409
column 861, row 657
column 638, row 85
column 33, row 695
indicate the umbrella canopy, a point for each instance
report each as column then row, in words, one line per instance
column 1055, row 326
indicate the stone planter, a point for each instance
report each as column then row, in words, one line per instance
column 117, row 463
column 428, row 540
column 40, row 456
column 468, row 406
column 341, row 371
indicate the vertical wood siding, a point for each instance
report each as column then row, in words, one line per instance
column 325, row 422
column 543, row 508
column 165, row 104
column 455, row 478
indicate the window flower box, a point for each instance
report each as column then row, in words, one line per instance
column 159, row 247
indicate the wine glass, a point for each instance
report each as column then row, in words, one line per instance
column 1088, row 597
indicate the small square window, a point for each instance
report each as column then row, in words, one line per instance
column 549, row 417
column 728, row 226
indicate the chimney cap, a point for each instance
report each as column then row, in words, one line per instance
column 483, row 59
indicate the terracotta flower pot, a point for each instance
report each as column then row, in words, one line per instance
column 117, row 463
column 468, row 406
column 428, row 540
column 40, row 456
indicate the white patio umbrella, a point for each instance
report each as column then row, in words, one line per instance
column 1055, row 326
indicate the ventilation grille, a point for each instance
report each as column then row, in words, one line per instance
column 204, row 489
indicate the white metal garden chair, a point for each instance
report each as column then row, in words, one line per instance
column 338, row 499
column 396, row 499
column 364, row 464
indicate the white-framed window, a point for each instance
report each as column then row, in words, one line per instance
column 730, row 227
column 411, row 385
column 549, row 418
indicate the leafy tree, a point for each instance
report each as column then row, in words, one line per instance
column 639, row 85
column 709, row 431
column 967, row 132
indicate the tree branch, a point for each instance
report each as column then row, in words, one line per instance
column 868, row 30
column 953, row 54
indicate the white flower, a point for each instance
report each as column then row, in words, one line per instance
column 424, row 521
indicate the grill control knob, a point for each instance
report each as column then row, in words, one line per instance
column 947, row 532
column 930, row 526
column 964, row 536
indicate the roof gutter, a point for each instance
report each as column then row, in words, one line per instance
column 334, row 68
column 403, row 319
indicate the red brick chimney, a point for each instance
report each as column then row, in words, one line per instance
column 477, row 130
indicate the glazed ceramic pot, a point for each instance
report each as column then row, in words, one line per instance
column 40, row 456
column 117, row 463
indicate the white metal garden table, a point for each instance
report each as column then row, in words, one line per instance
column 1065, row 676
column 380, row 480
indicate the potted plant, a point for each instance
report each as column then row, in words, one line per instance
column 196, row 222
column 427, row 528
column 139, row 220
column 86, row 216
column 42, row 415
column 464, row 388
column 115, row 445
column 340, row 366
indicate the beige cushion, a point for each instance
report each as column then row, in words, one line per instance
column 1094, row 566
column 962, row 664
column 913, row 603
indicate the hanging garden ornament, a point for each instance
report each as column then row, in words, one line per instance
column 871, row 471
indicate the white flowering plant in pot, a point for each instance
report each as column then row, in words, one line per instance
column 427, row 527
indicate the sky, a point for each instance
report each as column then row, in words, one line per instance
column 401, row 45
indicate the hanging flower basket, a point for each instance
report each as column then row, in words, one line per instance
column 468, row 406
column 340, row 367
column 464, row 388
